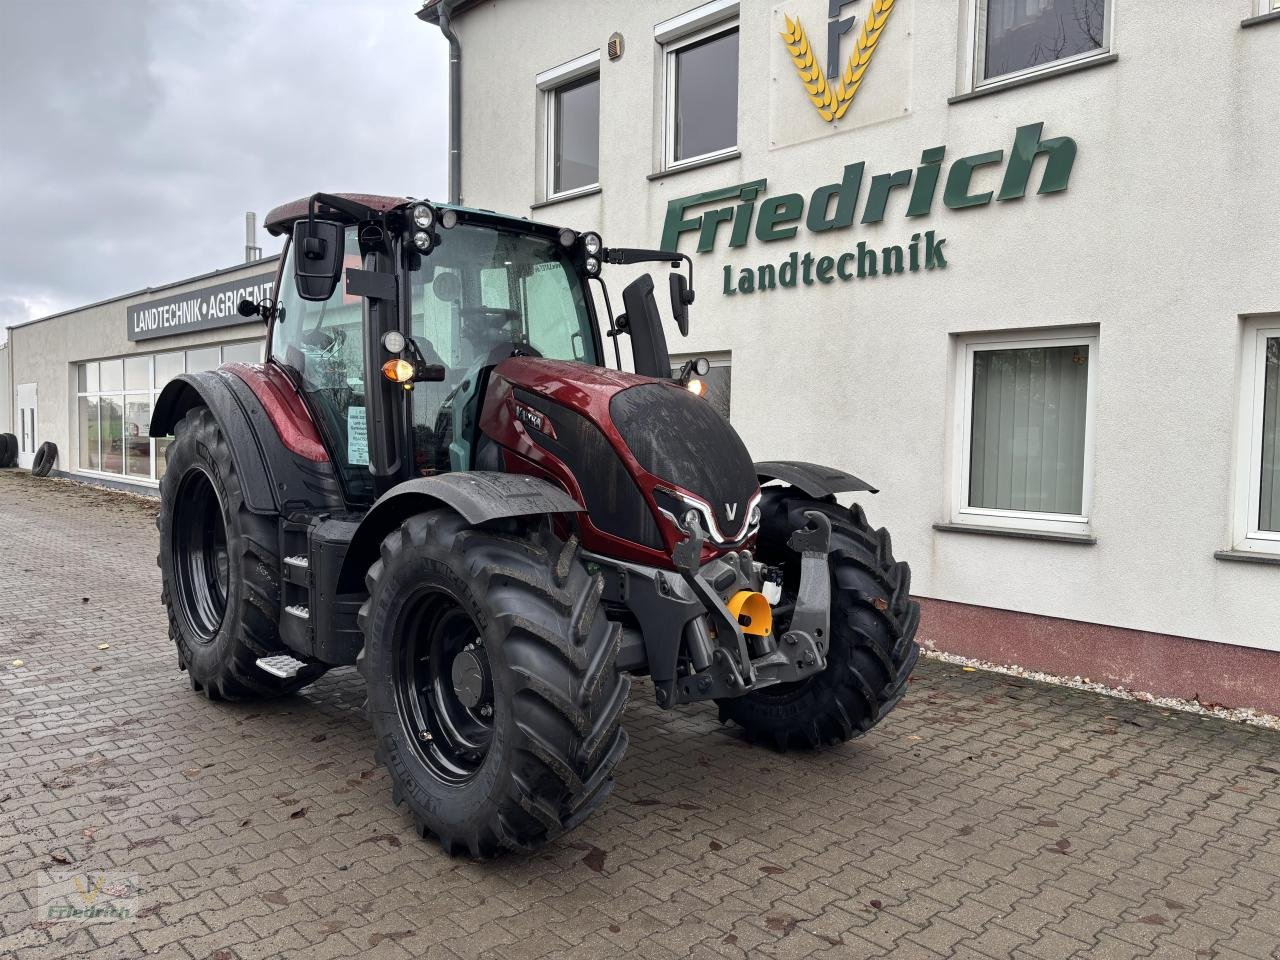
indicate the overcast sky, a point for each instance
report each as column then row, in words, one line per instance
column 134, row 134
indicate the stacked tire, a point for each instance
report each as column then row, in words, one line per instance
column 8, row 450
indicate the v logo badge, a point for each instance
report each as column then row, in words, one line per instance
column 730, row 510
column 832, row 104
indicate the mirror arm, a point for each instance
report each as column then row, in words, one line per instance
column 639, row 255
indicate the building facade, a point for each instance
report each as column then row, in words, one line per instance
column 87, row 379
column 1009, row 260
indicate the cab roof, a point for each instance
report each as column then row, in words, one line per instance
column 281, row 219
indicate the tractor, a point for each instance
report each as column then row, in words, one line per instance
column 435, row 477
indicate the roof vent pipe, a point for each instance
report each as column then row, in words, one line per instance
column 438, row 12
column 252, row 252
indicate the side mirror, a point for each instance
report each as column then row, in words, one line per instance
column 318, row 247
column 681, row 297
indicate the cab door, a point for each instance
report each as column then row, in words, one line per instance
column 25, row 402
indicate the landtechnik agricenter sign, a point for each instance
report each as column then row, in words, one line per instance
column 204, row 309
column 741, row 212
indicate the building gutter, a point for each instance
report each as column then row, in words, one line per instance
column 439, row 13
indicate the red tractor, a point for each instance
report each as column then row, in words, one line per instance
column 434, row 477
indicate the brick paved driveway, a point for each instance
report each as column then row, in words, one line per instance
column 987, row 817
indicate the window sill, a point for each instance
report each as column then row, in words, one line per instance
column 1247, row 556
column 695, row 165
column 1085, row 539
column 566, row 197
column 1260, row 19
column 1049, row 74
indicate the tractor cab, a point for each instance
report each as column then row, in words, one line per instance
column 395, row 361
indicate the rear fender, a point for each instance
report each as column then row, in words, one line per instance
column 477, row 497
column 815, row 480
column 275, row 478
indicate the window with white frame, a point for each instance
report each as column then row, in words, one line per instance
column 700, row 87
column 1258, row 494
column 114, row 400
column 1024, row 430
column 571, row 113
column 1017, row 38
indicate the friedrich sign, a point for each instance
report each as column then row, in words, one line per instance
column 204, row 309
column 740, row 213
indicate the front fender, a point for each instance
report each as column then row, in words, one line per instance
column 813, row 479
column 275, row 477
column 477, row 496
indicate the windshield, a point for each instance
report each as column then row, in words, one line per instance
column 479, row 297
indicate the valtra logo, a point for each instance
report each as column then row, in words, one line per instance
column 833, row 102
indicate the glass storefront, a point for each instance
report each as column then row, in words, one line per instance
column 114, row 399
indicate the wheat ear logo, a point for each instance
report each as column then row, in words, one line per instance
column 832, row 103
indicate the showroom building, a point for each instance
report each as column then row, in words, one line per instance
column 86, row 379
column 1009, row 260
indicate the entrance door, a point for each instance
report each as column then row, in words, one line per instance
column 25, row 401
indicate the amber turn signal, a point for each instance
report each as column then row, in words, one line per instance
column 398, row 371
column 696, row 387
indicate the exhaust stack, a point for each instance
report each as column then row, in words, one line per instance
column 252, row 252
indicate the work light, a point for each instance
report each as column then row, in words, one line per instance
column 423, row 216
column 393, row 341
column 591, row 244
column 449, row 219
column 593, row 266
column 567, row 237
column 423, row 241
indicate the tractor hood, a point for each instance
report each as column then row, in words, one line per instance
column 633, row 445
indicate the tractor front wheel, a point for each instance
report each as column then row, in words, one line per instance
column 493, row 696
column 873, row 626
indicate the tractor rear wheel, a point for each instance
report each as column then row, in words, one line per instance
column 492, row 689
column 219, row 568
column 873, row 626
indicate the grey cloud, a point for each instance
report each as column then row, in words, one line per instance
column 135, row 134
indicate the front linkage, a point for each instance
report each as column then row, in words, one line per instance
column 694, row 645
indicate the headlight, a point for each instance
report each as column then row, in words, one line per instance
column 393, row 341
column 593, row 267
column 423, row 216
column 422, row 240
column 691, row 518
column 591, row 244
column 755, row 515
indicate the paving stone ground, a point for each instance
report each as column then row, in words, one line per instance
column 987, row 817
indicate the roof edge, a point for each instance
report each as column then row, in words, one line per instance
column 221, row 271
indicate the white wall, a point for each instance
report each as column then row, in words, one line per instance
column 6, row 391
column 1166, row 235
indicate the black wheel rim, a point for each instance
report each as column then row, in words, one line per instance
column 201, row 562
column 451, row 730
